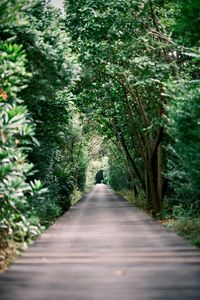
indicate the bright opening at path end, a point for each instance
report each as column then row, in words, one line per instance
column 58, row 4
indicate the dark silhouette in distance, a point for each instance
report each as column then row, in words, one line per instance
column 99, row 177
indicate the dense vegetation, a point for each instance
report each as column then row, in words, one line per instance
column 140, row 86
column 110, row 85
column 43, row 154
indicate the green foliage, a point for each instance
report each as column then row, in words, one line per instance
column 188, row 228
column 40, row 72
column 59, row 158
column 17, row 135
column 183, row 111
column 125, row 64
column 139, row 202
column 96, row 157
column 60, row 155
column 187, row 22
column 12, row 68
column 185, row 224
column 117, row 174
column 94, row 166
column 11, row 12
column 184, row 150
column 130, row 51
column 75, row 197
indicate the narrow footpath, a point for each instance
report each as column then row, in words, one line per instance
column 105, row 249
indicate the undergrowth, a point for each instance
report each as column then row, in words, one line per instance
column 75, row 196
column 140, row 201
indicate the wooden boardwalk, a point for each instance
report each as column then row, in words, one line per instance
column 105, row 249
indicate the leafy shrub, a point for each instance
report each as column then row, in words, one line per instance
column 184, row 150
column 75, row 197
column 54, row 68
column 179, row 212
column 140, row 201
column 187, row 227
column 17, row 137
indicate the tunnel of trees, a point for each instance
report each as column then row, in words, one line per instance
column 99, row 177
column 107, row 85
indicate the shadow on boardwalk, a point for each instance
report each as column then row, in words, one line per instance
column 103, row 248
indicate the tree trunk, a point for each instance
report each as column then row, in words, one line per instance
column 159, row 175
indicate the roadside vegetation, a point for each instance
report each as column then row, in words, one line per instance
column 42, row 146
column 110, row 86
column 140, row 86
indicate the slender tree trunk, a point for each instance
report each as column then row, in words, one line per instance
column 155, row 180
column 148, row 191
column 136, row 193
column 159, row 175
column 148, row 152
column 127, row 153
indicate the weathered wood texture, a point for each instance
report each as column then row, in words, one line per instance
column 103, row 248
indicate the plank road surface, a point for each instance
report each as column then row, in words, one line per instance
column 104, row 249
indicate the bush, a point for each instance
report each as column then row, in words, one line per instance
column 188, row 228
column 17, row 137
column 184, row 150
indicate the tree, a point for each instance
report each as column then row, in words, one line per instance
column 183, row 113
column 54, row 70
column 183, row 128
column 38, row 132
column 126, row 57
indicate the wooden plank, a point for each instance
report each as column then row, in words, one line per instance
column 103, row 248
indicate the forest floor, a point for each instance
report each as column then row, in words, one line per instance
column 8, row 254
